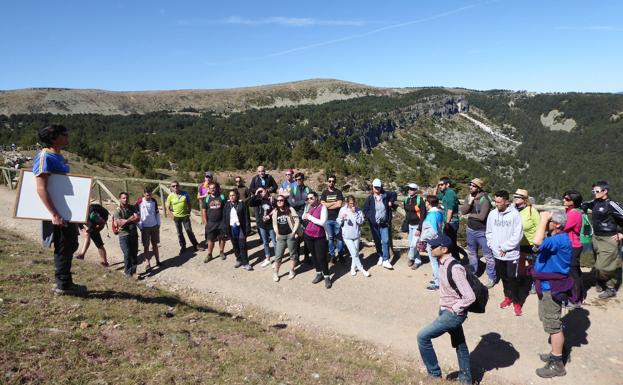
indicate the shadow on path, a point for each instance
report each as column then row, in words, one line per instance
column 576, row 324
column 492, row 352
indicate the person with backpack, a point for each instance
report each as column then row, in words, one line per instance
column 149, row 224
column 504, row 233
column 98, row 216
column 212, row 214
column 529, row 222
column 285, row 224
column 415, row 212
column 454, row 301
column 572, row 200
column 607, row 215
column 476, row 207
column 124, row 225
column 551, row 277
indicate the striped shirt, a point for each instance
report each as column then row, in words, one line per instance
column 449, row 299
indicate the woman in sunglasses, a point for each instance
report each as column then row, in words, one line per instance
column 316, row 238
column 572, row 200
column 285, row 224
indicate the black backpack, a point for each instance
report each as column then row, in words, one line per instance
column 100, row 211
column 480, row 291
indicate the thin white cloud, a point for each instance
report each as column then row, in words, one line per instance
column 294, row 22
column 605, row 28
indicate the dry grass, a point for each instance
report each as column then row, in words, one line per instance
column 124, row 332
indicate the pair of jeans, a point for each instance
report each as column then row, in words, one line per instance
column 267, row 235
column 318, row 249
column 334, row 236
column 476, row 239
column 239, row 244
column 434, row 264
column 414, row 255
column 447, row 322
column 381, row 240
column 184, row 222
column 280, row 247
column 129, row 248
column 353, row 249
column 65, row 240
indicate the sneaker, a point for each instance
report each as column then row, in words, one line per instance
column 379, row 262
column 432, row 287
column 416, row 266
column 208, row 258
column 506, row 303
column 291, row 274
column 490, row 283
column 353, row 272
column 387, row 265
column 552, row 369
column 410, row 263
column 327, row 282
column 222, row 255
column 248, row 267
column 318, row 278
column 365, row 273
column 275, row 277
column 237, row 264
column 266, row 262
column 517, row 309
column 608, row 293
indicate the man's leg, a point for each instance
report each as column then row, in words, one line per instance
column 438, row 327
column 265, row 236
column 65, row 244
column 180, row 233
column 452, row 229
column 189, row 230
column 331, row 234
column 376, row 237
column 384, row 231
column 412, row 242
column 457, row 337
column 488, row 254
column 472, row 249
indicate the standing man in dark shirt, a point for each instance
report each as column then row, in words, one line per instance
column 477, row 206
column 263, row 180
column 333, row 199
column 124, row 225
column 415, row 212
column 243, row 191
column 212, row 214
column 450, row 202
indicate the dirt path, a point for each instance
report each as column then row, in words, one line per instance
column 387, row 309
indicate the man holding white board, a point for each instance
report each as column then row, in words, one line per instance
column 64, row 234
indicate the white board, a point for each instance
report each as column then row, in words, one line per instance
column 70, row 195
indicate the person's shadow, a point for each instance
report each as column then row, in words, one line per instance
column 492, row 352
column 576, row 324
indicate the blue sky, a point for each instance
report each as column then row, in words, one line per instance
column 530, row 45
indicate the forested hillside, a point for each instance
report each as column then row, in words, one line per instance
column 411, row 136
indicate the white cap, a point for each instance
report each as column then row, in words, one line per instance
column 377, row 183
column 412, row 186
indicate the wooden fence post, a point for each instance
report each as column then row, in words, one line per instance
column 164, row 208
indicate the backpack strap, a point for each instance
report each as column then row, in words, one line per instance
column 449, row 275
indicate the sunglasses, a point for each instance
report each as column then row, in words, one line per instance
column 175, row 185
column 310, row 199
column 298, row 178
column 331, row 181
column 567, row 198
column 280, row 200
column 441, row 184
column 597, row 191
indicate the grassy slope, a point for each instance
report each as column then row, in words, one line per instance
column 127, row 333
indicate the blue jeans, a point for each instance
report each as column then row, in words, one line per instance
column 129, row 248
column 267, row 235
column 452, row 324
column 413, row 239
column 333, row 230
column 434, row 264
column 381, row 240
column 475, row 239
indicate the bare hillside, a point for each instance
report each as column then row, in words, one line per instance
column 76, row 101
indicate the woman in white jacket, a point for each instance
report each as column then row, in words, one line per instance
column 351, row 218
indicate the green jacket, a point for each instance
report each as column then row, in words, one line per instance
column 530, row 219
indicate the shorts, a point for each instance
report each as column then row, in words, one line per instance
column 549, row 313
column 96, row 237
column 214, row 232
column 150, row 235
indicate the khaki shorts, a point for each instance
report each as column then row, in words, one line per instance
column 150, row 235
column 549, row 313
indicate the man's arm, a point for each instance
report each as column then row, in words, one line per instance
column 541, row 229
column 42, row 191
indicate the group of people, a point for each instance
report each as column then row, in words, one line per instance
column 521, row 247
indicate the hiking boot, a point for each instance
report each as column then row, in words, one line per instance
column 599, row 288
column 608, row 293
column 552, row 368
column 327, row 282
column 506, row 303
column 517, row 309
column 222, row 255
column 208, row 258
column 490, row 284
column 545, row 357
column 410, row 263
column 318, row 278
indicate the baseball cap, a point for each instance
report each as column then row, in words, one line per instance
column 441, row 240
column 412, row 186
column 377, row 183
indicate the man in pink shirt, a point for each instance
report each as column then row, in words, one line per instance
column 452, row 313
